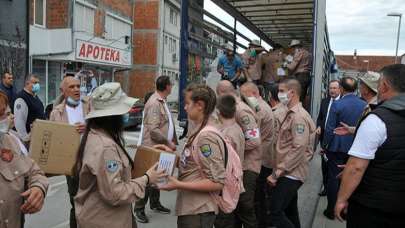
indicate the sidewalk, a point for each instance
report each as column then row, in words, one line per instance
column 320, row 221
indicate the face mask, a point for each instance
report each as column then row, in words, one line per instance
column 253, row 53
column 36, row 88
column 4, row 126
column 125, row 118
column 252, row 102
column 72, row 102
column 283, row 97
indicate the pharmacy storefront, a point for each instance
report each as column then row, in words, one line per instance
column 94, row 63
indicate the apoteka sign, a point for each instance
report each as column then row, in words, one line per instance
column 102, row 54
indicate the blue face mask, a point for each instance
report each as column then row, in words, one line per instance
column 36, row 88
column 72, row 102
column 125, row 118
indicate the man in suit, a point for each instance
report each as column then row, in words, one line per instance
column 326, row 103
column 348, row 109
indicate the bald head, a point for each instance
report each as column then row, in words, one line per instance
column 225, row 87
column 249, row 89
column 71, row 87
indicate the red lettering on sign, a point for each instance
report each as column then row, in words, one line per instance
column 102, row 52
column 117, row 59
column 107, row 54
column 89, row 50
column 82, row 50
column 96, row 52
column 112, row 57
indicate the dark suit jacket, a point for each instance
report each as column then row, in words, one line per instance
column 320, row 122
column 348, row 110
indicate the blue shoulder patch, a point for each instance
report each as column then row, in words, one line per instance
column 112, row 166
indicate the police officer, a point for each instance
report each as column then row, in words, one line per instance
column 250, row 92
column 300, row 67
column 157, row 128
column 248, row 120
column 103, row 167
column 23, row 184
column 294, row 149
column 226, row 107
column 72, row 110
column 202, row 165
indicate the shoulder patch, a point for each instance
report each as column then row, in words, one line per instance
column 245, row 120
column 206, row 150
column 112, row 166
column 300, row 128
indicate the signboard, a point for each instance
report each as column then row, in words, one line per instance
column 99, row 53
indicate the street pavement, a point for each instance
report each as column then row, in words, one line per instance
column 56, row 209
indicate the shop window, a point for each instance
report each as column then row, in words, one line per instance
column 54, row 80
column 40, row 12
column 117, row 29
column 39, row 70
column 84, row 18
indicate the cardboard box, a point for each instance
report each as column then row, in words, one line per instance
column 54, row 146
column 146, row 157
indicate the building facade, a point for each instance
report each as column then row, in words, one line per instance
column 87, row 38
column 13, row 39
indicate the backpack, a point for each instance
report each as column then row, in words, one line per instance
column 228, row 198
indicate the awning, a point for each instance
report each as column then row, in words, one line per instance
column 279, row 20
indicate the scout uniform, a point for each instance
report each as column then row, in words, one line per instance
column 156, row 122
column 106, row 189
column 16, row 172
column 198, row 209
column 280, row 111
column 155, row 130
column 235, row 136
column 271, row 62
column 61, row 114
column 252, row 65
column 300, row 68
column 294, row 150
column 249, row 123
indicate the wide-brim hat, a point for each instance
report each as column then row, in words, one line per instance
column 229, row 47
column 294, row 43
column 255, row 43
column 370, row 79
column 109, row 100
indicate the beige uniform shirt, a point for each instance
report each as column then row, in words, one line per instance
column 235, row 136
column 266, row 130
column 59, row 113
column 252, row 65
column 249, row 123
column 271, row 62
column 302, row 62
column 13, row 174
column 106, row 189
column 210, row 149
column 295, row 143
column 156, row 122
column 279, row 111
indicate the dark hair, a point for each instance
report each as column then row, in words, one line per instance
column 395, row 74
column 273, row 90
column 4, row 74
column 162, row 82
column 226, row 106
column 204, row 93
column 349, row 84
column 335, row 80
column 113, row 126
column 277, row 46
column 147, row 96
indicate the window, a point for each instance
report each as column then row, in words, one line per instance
column 83, row 18
column 174, row 46
column 173, row 16
column 166, row 39
column 39, row 12
column 116, row 29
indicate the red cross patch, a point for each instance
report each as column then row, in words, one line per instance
column 252, row 134
column 7, row 155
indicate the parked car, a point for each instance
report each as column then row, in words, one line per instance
column 135, row 116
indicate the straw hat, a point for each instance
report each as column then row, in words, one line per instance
column 371, row 80
column 294, row 43
column 255, row 43
column 109, row 100
column 228, row 46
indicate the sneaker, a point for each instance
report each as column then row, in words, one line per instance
column 160, row 209
column 141, row 216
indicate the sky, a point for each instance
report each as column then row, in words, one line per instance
column 365, row 26
column 352, row 24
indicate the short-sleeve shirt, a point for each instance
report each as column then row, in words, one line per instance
column 230, row 67
column 372, row 133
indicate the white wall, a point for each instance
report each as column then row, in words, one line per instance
column 49, row 41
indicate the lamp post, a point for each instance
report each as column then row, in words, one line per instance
column 399, row 31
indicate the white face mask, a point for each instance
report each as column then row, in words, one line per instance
column 4, row 126
column 283, row 97
column 252, row 102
